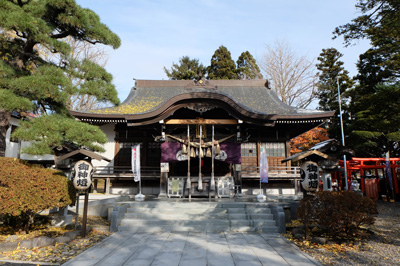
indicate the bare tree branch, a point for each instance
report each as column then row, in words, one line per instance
column 293, row 78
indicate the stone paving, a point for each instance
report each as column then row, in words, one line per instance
column 194, row 249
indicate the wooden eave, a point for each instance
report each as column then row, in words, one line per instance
column 82, row 152
column 303, row 155
column 183, row 100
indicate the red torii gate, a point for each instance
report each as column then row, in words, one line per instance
column 372, row 164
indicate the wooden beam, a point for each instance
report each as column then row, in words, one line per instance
column 201, row 121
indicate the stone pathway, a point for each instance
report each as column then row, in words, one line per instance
column 194, row 249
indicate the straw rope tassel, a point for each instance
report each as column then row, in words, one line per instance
column 184, row 149
column 212, row 181
column 218, row 149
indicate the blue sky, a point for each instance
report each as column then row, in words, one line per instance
column 156, row 33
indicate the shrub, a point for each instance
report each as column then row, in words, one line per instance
column 26, row 189
column 339, row 214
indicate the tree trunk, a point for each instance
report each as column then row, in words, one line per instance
column 4, row 124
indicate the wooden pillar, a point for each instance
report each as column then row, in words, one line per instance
column 95, row 181
column 238, row 168
column 85, row 210
column 107, row 185
column 394, row 176
column 163, row 185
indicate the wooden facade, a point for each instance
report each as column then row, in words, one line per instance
column 242, row 114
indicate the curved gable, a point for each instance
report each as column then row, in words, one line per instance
column 153, row 100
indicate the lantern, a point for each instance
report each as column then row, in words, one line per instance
column 83, row 175
column 309, row 175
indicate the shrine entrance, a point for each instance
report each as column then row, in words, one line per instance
column 199, row 160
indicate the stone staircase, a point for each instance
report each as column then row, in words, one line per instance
column 178, row 216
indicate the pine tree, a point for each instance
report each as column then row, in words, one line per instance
column 247, row 67
column 375, row 129
column 187, row 68
column 30, row 82
column 379, row 22
column 374, row 101
column 222, row 66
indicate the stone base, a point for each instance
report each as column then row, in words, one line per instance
column 162, row 195
column 62, row 220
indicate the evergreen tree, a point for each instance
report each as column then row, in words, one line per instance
column 375, row 129
column 30, row 82
column 222, row 66
column 187, row 68
column 247, row 67
column 375, row 99
column 379, row 22
column 331, row 71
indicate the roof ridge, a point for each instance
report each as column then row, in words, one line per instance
column 211, row 82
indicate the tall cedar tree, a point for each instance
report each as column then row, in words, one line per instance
column 222, row 66
column 30, row 83
column 379, row 22
column 375, row 126
column 187, row 68
column 247, row 67
column 331, row 68
column 375, row 129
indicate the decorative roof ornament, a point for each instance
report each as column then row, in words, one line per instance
column 201, row 107
column 202, row 82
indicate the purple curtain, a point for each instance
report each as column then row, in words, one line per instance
column 230, row 152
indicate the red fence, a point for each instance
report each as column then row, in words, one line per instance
column 371, row 173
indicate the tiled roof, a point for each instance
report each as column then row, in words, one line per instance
column 252, row 95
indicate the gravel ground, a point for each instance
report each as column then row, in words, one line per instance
column 382, row 247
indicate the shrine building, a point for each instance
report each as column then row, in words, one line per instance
column 200, row 137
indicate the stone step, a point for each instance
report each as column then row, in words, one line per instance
column 194, row 205
column 172, row 228
column 225, row 222
column 189, row 216
column 267, row 216
column 138, row 222
column 198, row 217
column 176, row 216
column 202, row 228
column 249, row 210
column 169, row 210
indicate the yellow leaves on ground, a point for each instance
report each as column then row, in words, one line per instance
column 59, row 253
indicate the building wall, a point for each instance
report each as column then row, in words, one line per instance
column 108, row 129
column 12, row 147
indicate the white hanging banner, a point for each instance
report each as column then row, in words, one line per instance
column 136, row 162
column 263, row 166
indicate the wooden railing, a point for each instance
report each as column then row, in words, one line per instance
column 120, row 171
column 274, row 172
column 281, row 172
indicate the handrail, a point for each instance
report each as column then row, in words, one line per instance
column 273, row 171
column 144, row 170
